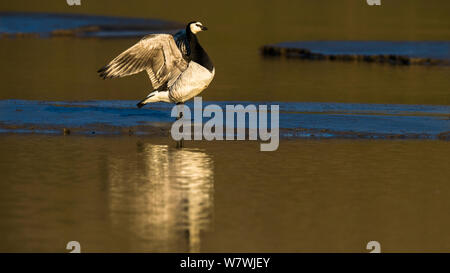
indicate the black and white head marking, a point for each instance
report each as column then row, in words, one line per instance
column 196, row 27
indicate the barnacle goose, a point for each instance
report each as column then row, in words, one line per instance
column 178, row 66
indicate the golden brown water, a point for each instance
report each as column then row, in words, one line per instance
column 64, row 68
column 141, row 194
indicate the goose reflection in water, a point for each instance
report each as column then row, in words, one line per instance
column 168, row 199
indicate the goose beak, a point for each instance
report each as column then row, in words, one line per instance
column 204, row 28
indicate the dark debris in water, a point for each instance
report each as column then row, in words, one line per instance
column 327, row 134
column 42, row 25
column 384, row 52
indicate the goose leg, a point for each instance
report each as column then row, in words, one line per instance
column 180, row 142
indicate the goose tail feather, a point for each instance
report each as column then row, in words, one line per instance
column 156, row 96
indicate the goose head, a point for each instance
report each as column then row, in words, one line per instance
column 195, row 27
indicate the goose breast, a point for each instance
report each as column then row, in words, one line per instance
column 191, row 82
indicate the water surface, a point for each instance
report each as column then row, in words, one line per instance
column 138, row 194
column 65, row 69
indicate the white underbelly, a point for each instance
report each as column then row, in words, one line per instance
column 191, row 82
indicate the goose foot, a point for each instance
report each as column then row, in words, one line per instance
column 180, row 143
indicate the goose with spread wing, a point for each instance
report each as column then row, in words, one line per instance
column 178, row 66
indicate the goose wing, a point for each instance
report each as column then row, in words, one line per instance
column 158, row 54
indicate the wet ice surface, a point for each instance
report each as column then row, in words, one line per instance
column 45, row 25
column 298, row 120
